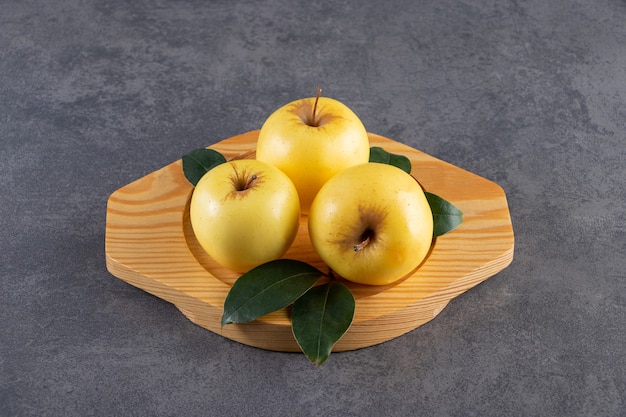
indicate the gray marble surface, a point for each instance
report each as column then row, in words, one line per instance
column 530, row 94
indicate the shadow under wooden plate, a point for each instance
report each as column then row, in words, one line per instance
column 150, row 244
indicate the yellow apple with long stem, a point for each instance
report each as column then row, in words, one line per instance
column 245, row 213
column 371, row 224
column 311, row 140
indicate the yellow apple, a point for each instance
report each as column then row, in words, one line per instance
column 245, row 213
column 311, row 140
column 371, row 224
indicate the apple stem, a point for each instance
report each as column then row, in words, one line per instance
column 363, row 244
column 317, row 98
column 243, row 181
column 251, row 179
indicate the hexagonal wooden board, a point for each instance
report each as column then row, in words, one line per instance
column 150, row 244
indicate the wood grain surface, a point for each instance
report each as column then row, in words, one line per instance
column 150, row 244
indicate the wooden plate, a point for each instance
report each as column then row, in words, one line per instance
column 150, row 244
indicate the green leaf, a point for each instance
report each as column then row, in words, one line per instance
column 200, row 161
column 266, row 288
column 446, row 216
column 381, row 156
column 320, row 318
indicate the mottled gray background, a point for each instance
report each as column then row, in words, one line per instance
column 527, row 93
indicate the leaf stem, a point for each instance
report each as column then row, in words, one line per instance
column 331, row 274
